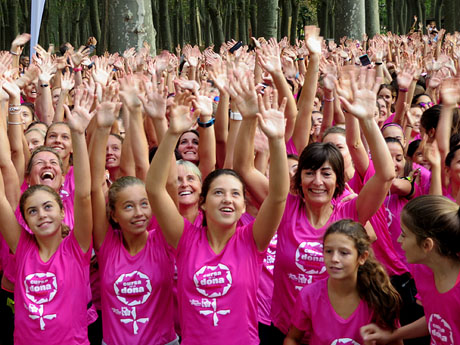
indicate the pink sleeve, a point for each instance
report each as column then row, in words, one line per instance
column 290, row 148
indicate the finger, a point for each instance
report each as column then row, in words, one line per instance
column 283, row 105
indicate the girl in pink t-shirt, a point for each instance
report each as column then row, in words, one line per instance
column 357, row 291
column 219, row 262
column 136, row 265
column 430, row 239
column 52, row 272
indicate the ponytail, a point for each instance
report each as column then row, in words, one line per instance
column 373, row 283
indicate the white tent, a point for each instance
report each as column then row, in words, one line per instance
column 36, row 13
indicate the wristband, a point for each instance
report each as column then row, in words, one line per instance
column 379, row 63
column 14, row 53
column 44, row 85
column 236, row 116
column 78, row 69
column 328, row 99
column 403, row 90
column 14, row 108
column 300, row 59
column 14, row 123
column 206, row 124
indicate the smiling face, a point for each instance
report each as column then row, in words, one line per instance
column 317, row 119
column 58, row 137
column 387, row 96
column 382, row 111
column 31, row 92
column 224, row 202
column 318, row 186
column 43, row 214
column 188, row 147
column 341, row 256
column 46, row 170
column 397, row 154
column 454, row 169
column 394, row 132
column 113, row 152
column 188, row 186
column 132, row 210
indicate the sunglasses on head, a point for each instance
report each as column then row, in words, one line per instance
column 429, row 104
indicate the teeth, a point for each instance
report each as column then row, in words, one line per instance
column 226, row 209
column 47, row 175
column 185, row 193
column 316, row 191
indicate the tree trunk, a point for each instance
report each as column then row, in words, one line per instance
column 105, row 27
column 165, row 27
column 83, row 22
column 390, row 16
column 216, row 22
column 286, row 18
column 243, row 21
column 322, row 12
column 156, row 22
column 74, row 28
column 402, row 17
column 452, row 15
column 295, row 18
column 193, row 28
column 13, row 27
column 95, row 23
column 131, row 24
column 439, row 10
column 372, row 18
column 180, row 17
column 253, row 18
column 351, row 20
column 267, row 18
column 235, row 23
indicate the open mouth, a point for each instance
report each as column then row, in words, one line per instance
column 185, row 193
column 317, row 191
column 47, row 175
column 226, row 210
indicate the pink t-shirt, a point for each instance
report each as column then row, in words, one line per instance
column 290, row 147
column 136, row 291
column 217, row 292
column 425, row 178
column 383, row 246
column 265, row 291
column 441, row 309
column 52, row 296
column 314, row 314
column 299, row 255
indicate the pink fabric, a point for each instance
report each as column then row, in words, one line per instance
column 217, row 292
column 389, row 119
column 425, row 178
column 290, row 147
column 299, row 255
column 315, row 314
column 136, row 291
column 441, row 309
column 383, row 247
column 265, row 291
column 52, row 296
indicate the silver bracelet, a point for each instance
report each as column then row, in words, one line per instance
column 14, row 123
column 13, row 109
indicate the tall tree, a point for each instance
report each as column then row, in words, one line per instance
column 131, row 24
column 193, row 23
column 295, row 16
column 95, row 23
column 267, row 18
column 165, row 27
column 216, row 23
column 253, row 17
column 242, row 14
column 372, row 17
column 351, row 22
column 452, row 15
column 286, row 18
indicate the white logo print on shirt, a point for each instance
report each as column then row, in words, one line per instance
column 40, row 288
column 132, row 289
column 440, row 330
column 344, row 341
column 212, row 282
column 309, row 259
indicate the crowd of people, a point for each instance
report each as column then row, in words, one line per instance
column 266, row 194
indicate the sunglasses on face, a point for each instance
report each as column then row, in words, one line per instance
column 429, row 104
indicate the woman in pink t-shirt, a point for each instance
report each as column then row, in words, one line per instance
column 218, row 262
column 135, row 262
column 52, row 272
column 357, row 291
column 430, row 238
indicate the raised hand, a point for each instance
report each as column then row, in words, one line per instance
column 67, row 81
column 203, row 104
column 218, row 74
column 78, row 56
column 79, row 117
column 180, row 119
column 271, row 116
column 364, row 92
column 108, row 109
column 242, row 90
column 450, row 92
column 11, row 89
column 312, row 39
column 154, row 101
column 101, row 71
column 129, row 92
column 269, row 57
column 405, row 77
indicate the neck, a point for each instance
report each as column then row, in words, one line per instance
column 135, row 243
column 114, row 173
column 318, row 215
column 189, row 212
column 66, row 165
column 218, row 236
column 47, row 246
column 343, row 287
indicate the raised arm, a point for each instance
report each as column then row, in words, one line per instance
column 163, row 206
column 44, row 102
column 67, row 84
column 374, row 192
column 105, row 117
column 78, row 121
column 271, row 121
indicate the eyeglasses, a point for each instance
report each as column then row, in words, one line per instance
column 428, row 105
